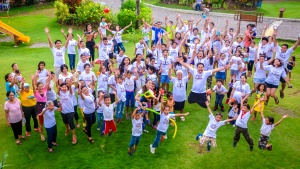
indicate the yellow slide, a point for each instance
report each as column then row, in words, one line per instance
column 18, row 36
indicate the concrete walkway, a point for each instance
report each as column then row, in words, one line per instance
column 289, row 29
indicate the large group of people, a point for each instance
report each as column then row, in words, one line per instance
column 137, row 86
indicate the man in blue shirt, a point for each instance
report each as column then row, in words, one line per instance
column 157, row 29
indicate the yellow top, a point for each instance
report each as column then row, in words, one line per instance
column 257, row 99
column 27, row 98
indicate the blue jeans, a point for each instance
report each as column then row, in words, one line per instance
column 120, row 110
column 219, row 99
column 51, row 135
column 134, row 141
column 129, row 98
column 72, row 58
column 117, row 46
column 99, row 119
column 198, row 7
column 157, row 138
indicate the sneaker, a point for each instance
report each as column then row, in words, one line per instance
column 98, row 129
column 215, row 108
column 152, row 150
column 28, row 134
column 233, row 125
column 146, row 131
column 251, row 148
column 222, row 109
column 74, row 140
column 234, row 145
column 165, row 137
column 37, row 130
column 182, row 118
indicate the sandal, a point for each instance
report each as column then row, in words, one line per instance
column 42, row 137
column 67, row 132
column 74, row 140
column 18, row 142
column 54, row 144
column 281, row 94
column 91, row 141
column 276, row 100
column 84, row 130
column 23, row 137
column 266, row 102
column 50, row 150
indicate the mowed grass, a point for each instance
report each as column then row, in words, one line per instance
column 111, row 152
column 269, row 8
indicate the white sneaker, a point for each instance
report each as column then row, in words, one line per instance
column 165, row 137
column 98, row 128
column 182, row 118
column 152, row 150
column 233, row 125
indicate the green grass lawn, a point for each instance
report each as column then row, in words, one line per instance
column 111, row 152
column 269, row 8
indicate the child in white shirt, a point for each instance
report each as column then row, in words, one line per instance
column 122, row 98
column 220, row 93
column 163, row 126
column 265, row 130
column 137, row 130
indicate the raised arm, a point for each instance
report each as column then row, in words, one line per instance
column 283, row 117
column 69, row 37
column 184, row 64
column 49, row 38
column 33, row 80
column 208, row 108
column 296, row 44
column 169, row 72
column 127, row 26
column 63, row 32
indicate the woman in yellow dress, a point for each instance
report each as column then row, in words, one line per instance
column 260, row 95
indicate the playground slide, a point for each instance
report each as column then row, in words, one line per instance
column 14, row 33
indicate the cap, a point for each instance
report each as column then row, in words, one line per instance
column 26, row 85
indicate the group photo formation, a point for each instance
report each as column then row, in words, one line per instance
column 149, row 84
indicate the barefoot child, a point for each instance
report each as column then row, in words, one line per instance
column 137, row 130
column 209, row 134
column 50, row 124
column 265, row 130
column 163, row 126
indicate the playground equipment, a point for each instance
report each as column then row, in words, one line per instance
column 18, row 36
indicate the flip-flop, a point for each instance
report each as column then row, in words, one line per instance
column 281, row 94
column 74, row 140
column 42, row 137
column 50, row 151
column 23, row 137
column 54, row 144
column 67, row 132
column 19, row 143
column 91, row 141
column 276, row 100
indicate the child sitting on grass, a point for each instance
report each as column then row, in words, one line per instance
column 265, row 130
column 137, row 130
column 209, row 134
column 163, row 126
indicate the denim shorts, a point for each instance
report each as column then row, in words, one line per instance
column 221, row 75
column 259, row 80
column 164, row 79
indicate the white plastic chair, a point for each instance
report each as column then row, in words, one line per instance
column 5, row 5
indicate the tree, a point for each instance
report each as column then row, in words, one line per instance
column 138, row 8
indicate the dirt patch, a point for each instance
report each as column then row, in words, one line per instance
column 296, row 93
column 6, row 39
column 39, row 45
column 283, row 111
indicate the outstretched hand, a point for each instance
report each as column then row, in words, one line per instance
column 47, row 30
column 285, row 116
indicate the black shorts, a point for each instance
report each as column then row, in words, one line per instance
column 250, row 65
column 271, row 85
column 281, row 78
column 199, row 98
column 68, row 118
column 111, row 55
column 112, row 97
column 179, row 105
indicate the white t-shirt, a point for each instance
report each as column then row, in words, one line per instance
column 274, row 74
column 225, row 50
column 66, row 100
column 81, row 51
column 165, row 62
column 284, row 57
column 118, row 36
column 59, row 56
column 74, row 95
column 120, row 59
column 183, row 69
column 173, row 52
column 102, row 82
column 260, row 73
column 231, row 112
column 87, row 77
column 179, row 89
column 72, row 46
column 198, row 60
column 152, row 77
column 235, row 61
column 164, row 122
column 266, row 129
column 139, row 67
column 111, row 81
column 43, row 76
column 63, row 78
column 203, row 36
column 49, row 118
column 242, row 70
column 108, row 111
column 236, row 44
column 103, row 51
column 129, row 83
column 146, row 33
column 212, row 126
column 208, row 65
column 110, row 45
column 240, row 90
column 219, row 90
column 222, row 63
column 137, row 127
column 121, row 93
column 270, row 51
column 154, row 53
column 252, row 53
column 199, row 80
column 88, row 104
column 242, row 119
column 102, row 26
column 51, row 94
column 80, row 66
column 99, row 109
column 192, row 48
column 139, row 48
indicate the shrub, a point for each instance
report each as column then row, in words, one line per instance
column 128, row 14
column 72, row 4
column 62, row 12
column 31, row 2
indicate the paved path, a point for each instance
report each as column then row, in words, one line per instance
column 289, row 29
